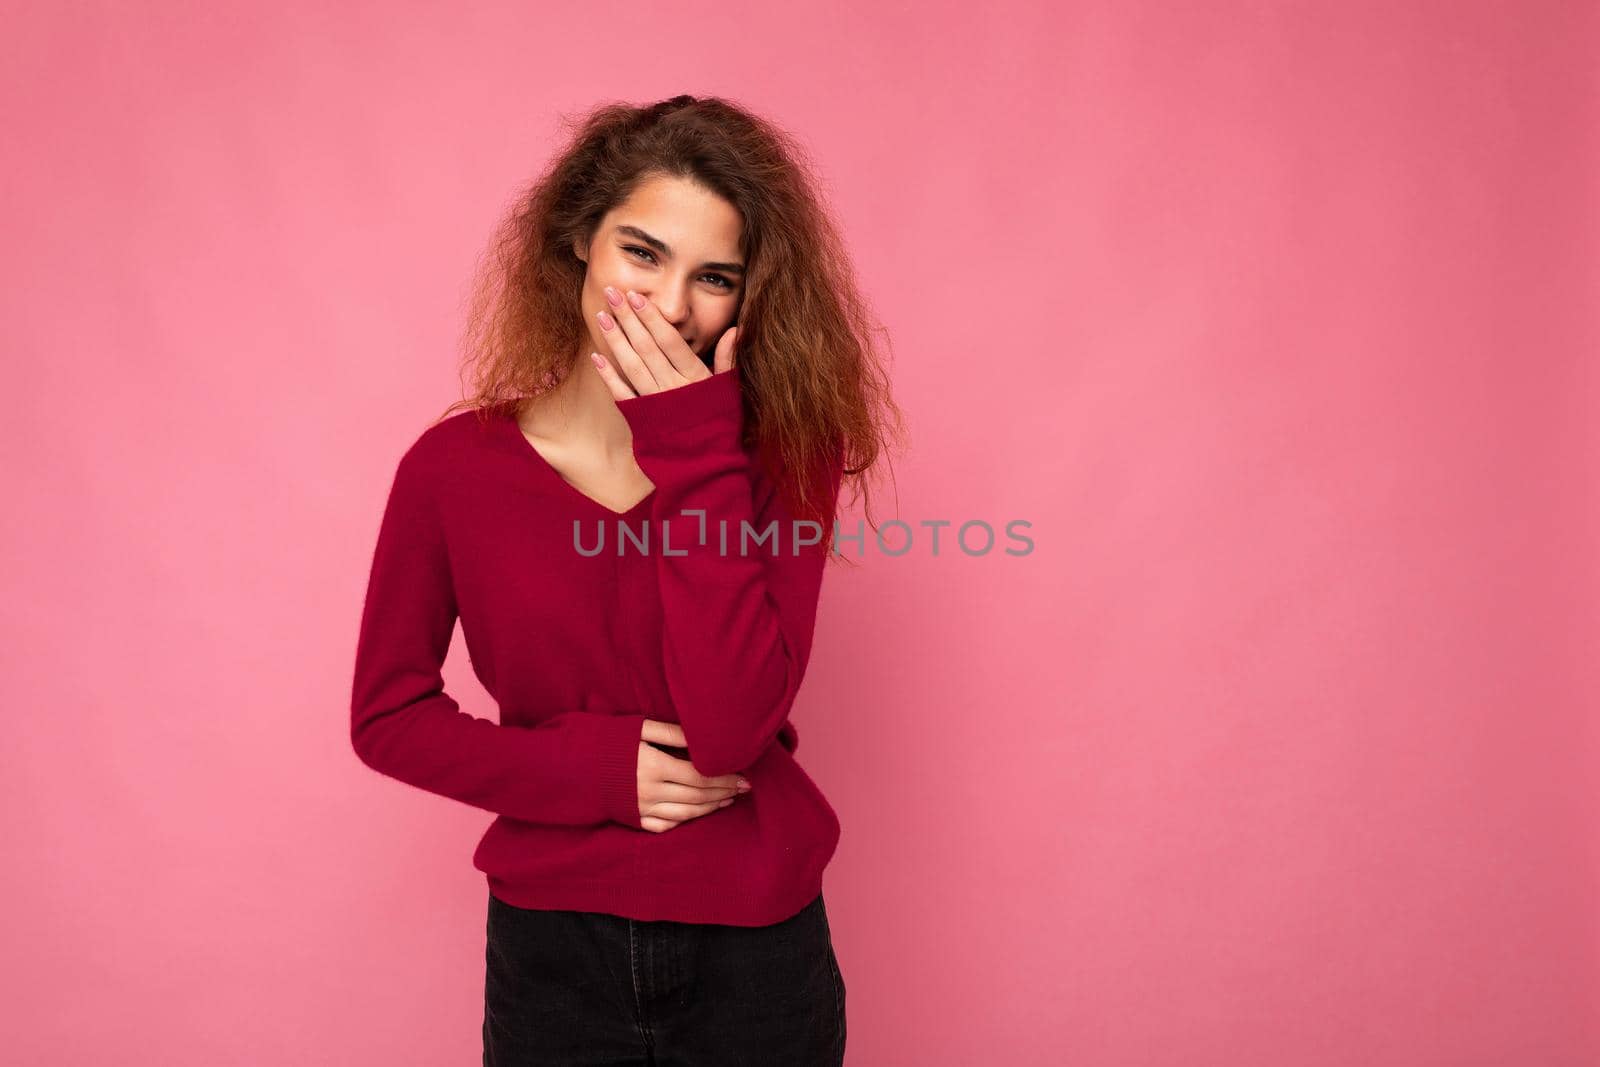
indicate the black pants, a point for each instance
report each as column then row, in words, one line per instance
column 575, row 987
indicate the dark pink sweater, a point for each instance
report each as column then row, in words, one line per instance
column 577, row 650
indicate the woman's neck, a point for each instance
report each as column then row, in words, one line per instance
column 579, row 413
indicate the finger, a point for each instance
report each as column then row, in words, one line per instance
column 684, row 812
column 658, row 825
column 619, row 388
column 665, row 733
column 678, row 793
column 667, row 338
column 623, row 354
column 723, row 360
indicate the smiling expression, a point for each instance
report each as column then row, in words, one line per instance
column 677, row 243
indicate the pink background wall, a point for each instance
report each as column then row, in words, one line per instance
column 1277, row 322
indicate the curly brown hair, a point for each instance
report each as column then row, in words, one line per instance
column 815, row 390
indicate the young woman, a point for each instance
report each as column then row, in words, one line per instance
column 673, row 376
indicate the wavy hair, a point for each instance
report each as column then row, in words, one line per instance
column 815, row 390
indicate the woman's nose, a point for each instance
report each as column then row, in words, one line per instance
column 673, row 309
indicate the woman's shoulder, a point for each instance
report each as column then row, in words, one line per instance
column 464, row 429
column 445, row 443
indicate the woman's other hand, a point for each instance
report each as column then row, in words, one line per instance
column 671, row 791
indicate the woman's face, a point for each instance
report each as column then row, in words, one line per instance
column 676, row 243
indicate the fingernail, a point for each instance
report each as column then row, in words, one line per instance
column 606, row 321
column 635, row 299
column 744, row 786
column 613, row 296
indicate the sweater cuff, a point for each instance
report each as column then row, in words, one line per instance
column 715, row 403
column 617, row 767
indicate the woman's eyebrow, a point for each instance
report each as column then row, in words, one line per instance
column 661, row 246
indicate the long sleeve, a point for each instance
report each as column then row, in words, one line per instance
column 738, row 620
column 577, row 768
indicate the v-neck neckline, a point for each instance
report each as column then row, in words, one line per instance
column 509, row 418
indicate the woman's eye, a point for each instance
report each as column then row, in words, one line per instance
column 722, row 283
